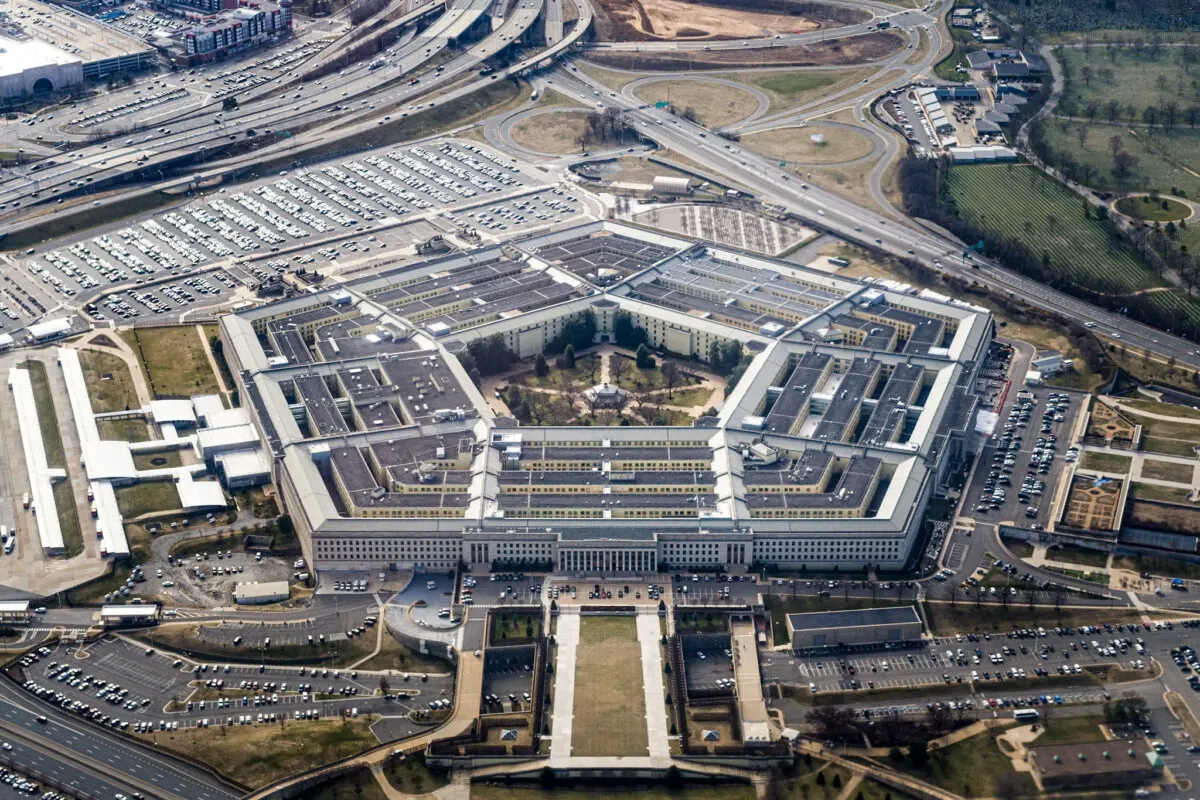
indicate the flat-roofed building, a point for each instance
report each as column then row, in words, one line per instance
column 1093, row 765
column 866, row 627
column 130, row 616
column 261, row 593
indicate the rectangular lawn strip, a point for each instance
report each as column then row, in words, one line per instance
column 1105, row 462
column 1060, row 729
column 506, row 627
column 1164, row 494
column 68, row 518
column 165, row 459
column 964, row 616
column 174, row 360
column 256, row 755
column 1019, row 202
column 1167, row 471
column 110, row 386
column 147, row 497
column 1157, row 565
column 123, row 430
column 64, row 498
column 610, row 705
column 1077, row 555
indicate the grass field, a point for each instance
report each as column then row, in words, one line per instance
column 610, row 707
column 1167, row 437
column 796, row 144
column 612, row 78
column 256, row 755
column 1147, row 208
column 174, row 361
column 554, row 132
column 358, row 784
column 970, row 768
column 791, row 89
column 1077, row 555
column 412, row 775
column 147, row 497
column 1157, row 565
column 1061, row 729
column 1166, row 409
column 64, row 498
column 110, row 385
column 716, row 105
column 1165, row 494
column 123, row 430
column 1126, row 77
column 1167, row 471
column 1164, row 160
column 1017, row 201
column 965, row 617
column 1104, row 462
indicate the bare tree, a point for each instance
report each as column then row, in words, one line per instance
column 671, row 376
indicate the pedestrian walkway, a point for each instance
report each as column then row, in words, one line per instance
column 567, row 644
column 649, row 636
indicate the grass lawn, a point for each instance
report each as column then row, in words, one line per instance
column 1123, row 75
column 585, row 373
column 1019, row 547
column 796, row 144
column 1157, row 565
column 47, row 417
column 1167, row 471
column 554, row 132
column 685, row 397
column 824, row 782
column 1022, row 203
column 969, row 768
column 613, row 79
column 966, row 617
column 481, row 791
column 110, row 386
column 1186, row 718
column 174, row 360
column 123, row 430
column 716, row 105
column 413, row 776
column 358, row 784
column 1060, row 729
column 1165, row 494
column 507, row 627
column 147, row 497
column 1104, row 462
column 610, row 707
column 791, row 89
column 1077, row 555
column 1162, row 210
column 1165, row 409
column 162, row 459
column 256, row 755
column 68, row 518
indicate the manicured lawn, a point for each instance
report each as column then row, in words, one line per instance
column 1061, row 729
column 1165, row 494
column 147, row 497
column 257, row 755
column 123, row 430
column 1125, row 76
column 610, row 707
column 715, row 104
column 360, row 784
column 1104, row 462
column 796, row 144
column 965, row 617
column 1163, row 209
column 175, row 361
column 68, row 518
column 1077, row 555
column 1167, row 471
column 110, row 385
column 506, row 626
column 47, row 417
column 1158, row 565
column 411, row 775
column 163, row 459
column 790, row 89
column 1019, row 202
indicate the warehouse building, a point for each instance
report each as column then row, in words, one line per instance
column 872, row 627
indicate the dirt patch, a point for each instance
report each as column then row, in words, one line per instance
column 835, row 145
column 554, row 132
column 102, row 341
column 672, row 20
column 1092, row 504
column 871, row 47
column 1163, row 517
column 715, row 105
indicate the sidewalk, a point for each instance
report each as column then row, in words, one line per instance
column 567, row 644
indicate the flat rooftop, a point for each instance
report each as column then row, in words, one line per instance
column 603, row 257
column 19, row 55
column 75, row 34
column 860, row 618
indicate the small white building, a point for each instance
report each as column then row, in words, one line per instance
column 49, row 329
column 257, row 594
column 668, row 185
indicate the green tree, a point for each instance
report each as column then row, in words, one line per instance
column 569, row 356
column 229, row 104
column 540, row 367
column 642, row 357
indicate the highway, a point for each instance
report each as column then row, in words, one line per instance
column 105, row 751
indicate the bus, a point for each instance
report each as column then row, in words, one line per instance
column 1026, row 715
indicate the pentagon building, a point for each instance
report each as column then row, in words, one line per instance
column 855, row 406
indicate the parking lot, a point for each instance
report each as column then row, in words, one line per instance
column 1023, row 460
column 141, row 689
column 982, row 663
column 708, row 663
column 507, row 678
column 177, row 252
